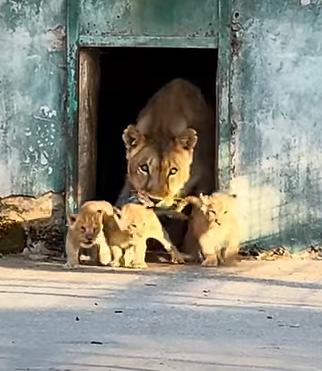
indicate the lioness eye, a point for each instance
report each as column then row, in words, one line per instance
column 212, row 212
column 83, row 229
column 173, row 171
column 144, row 168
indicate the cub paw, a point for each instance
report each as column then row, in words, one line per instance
column 105, row 261
column 210, row 262
column 177, row 258
column 70, row 266
column 139, row 265
column 115, row 264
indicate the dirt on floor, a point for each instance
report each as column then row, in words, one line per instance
column 259, row 315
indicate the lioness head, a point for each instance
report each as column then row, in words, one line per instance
column 159, row 166
column 86, row 226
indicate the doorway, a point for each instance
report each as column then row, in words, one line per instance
column 114, row 85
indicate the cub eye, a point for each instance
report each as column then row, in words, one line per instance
column 212, row 212
column 83, row 229
column 173, row 171
column 144, row 168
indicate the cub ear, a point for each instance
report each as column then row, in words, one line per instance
column 71, row 219
column 132, row 137
column 187, row 139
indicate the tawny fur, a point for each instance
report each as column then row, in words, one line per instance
column 170, row 151
column 143, row 224
column 86, row 230
column 213, row 229
column 120, row 239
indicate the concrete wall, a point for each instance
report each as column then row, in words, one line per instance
column 273, row 131
column 32, row 139
column 276, row 119
column 32, row 93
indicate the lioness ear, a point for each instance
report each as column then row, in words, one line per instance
column 187, row 139
column 71, row 219
column 132, row 137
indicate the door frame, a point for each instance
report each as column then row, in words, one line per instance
column 221, row 42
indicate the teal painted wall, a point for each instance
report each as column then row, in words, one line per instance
column 166, row 18
column 276, row 116
column 269, row 111
column 32, row 93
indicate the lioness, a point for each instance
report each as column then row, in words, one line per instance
column 143, row 224
column 213, row 229
column 86, row 229
column 170, row 151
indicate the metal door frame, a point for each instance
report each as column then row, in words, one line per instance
column 220, row 42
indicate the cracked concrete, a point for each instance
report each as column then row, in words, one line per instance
column 257, row 316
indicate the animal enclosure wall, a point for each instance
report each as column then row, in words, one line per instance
column 32, row 125
column 32, row 90
column 268, row 83
column 276, row 119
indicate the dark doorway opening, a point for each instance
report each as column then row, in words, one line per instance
column 126, row 79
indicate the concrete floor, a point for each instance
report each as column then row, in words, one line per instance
column 257, row 316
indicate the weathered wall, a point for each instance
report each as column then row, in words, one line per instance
column 32, row 140
column 166, row 18
column 273, row 156
column 276, row 118
column 32, row 90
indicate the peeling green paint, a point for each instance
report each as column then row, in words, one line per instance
column 268, row 88
column 145, row 17
column 32, row 85
column 275, row 103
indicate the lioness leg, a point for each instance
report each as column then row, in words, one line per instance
column 117, row 254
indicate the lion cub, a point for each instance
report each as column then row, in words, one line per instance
column 143, row 224
column 85, row 230
column 120, row 240
column 213, row 229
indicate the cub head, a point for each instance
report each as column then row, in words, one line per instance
column 86, row 226
column 215, row 208
column 159, row 166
